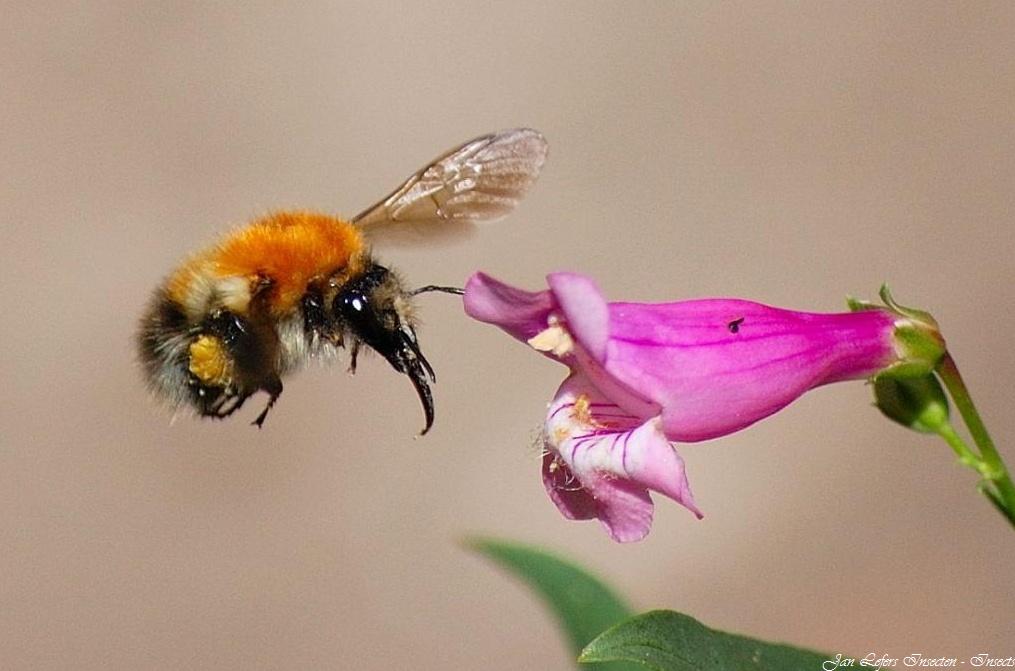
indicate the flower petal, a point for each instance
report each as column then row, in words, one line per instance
column 562, row 486
column 523, row 314
column 716, row 366
column 601, row 462
column 646, row 374
column 585, row 311
column 655, row 463
column 623, row 507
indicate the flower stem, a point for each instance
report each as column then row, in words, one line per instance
column 997, row 484
column 998, row 503
column 967, row 457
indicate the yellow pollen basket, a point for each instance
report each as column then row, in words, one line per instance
column 209, row 361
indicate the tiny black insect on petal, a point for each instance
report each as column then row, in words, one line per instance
column 734, row 326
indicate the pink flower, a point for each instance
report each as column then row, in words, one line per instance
column 643, row 375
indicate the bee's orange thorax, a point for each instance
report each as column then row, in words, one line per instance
column 289, row 249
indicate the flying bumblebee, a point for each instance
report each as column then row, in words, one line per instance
column 238, row 316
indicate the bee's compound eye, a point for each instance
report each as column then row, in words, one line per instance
column 355, row 310
column 351, row 304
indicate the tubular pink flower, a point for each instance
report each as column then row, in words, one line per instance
column 643, row 375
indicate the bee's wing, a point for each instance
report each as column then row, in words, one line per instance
column 482, row 179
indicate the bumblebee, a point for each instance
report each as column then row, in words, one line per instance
column 237, row 317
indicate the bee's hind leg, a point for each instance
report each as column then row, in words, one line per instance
column 229, row 405
column 274, row 389
column 217, row 402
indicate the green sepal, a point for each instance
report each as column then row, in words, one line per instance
column 919, row 344
column 920, row 347
column 912, row 313
column 916, row 402
column 859, row 305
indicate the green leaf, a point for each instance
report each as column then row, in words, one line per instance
column 669, row 641
column 583, row 605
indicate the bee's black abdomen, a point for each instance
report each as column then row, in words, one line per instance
column 163, row 320
column 162, row 347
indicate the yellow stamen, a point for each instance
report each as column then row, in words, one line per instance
column 554, row 338
column 583, row 410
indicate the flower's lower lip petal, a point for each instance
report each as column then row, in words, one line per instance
column 566, row 492
column 624, row 508
column 522, row 314
column 654, row 463
column 601, row 462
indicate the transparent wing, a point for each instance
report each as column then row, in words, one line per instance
column 482, row 180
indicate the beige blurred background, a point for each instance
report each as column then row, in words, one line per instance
column 788, row 153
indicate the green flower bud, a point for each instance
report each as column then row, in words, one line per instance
column 916, row 402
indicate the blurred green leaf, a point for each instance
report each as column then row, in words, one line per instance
column 583, row 605
column 669, row 641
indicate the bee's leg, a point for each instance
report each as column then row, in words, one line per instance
column 218, row 363
column 353, row 353
column 206, row 397
column 274, row 389
column 211, row 399
column 228, row 403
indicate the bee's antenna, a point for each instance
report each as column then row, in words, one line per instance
column 434, row 287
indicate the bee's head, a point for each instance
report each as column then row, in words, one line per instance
column 377, row 309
